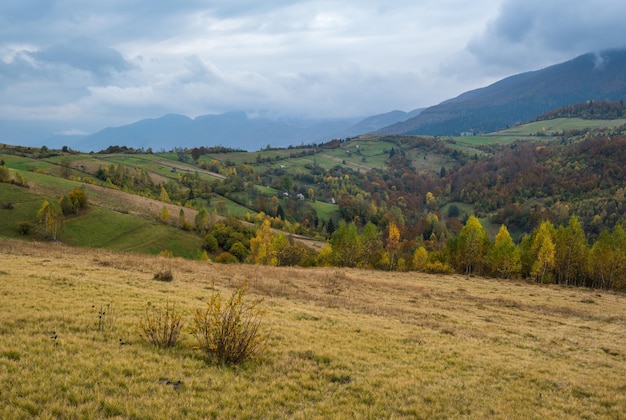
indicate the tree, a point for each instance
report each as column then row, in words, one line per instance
column 181, row 218
column 504, row 257
column 209, row 243
column 260, row 245
column 420, row 259
column 5, row 176
column 393, row 244
column 201, row 221
column 431, row 201
column 164, row 215
column 371, row 244
column 79, row 198
column 345, row 244
column 51, row 215
column 164, row 196
column 571, row 253
column 472, row 246
column 607, row 259
column 280, row 251
column 543, row 250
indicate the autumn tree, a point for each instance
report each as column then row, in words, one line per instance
column 371, row 244
column 51, row 216
column 164, row 196
column 260, row 245
column 472, row 246
column 607, row 259
column 201, row 221
column 164, row 215
column 544, row 253
column 503, row 258
column 571, row 253
column 420, row 259
column 392, row 247
column 79, row 199
column 345, row 244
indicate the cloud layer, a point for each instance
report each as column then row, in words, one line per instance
column 87, row 65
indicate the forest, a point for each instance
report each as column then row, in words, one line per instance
column 549, row 209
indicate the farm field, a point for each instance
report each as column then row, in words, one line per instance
column 550, row 130
column 343, row 343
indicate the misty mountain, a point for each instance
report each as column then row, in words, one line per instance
column 522, row 97
column 376, row 122
column 233, row 129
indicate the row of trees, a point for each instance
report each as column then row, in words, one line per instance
column 549, row 254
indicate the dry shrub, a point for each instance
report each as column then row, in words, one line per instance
column 230, row 332
column 161, row 327
column 164, row 275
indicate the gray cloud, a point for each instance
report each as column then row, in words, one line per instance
column 94, row 64
column 84, row 54
column 533, row 33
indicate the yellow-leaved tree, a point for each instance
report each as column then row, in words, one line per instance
column 472, row 246
column 393, row 245
column 261, row 244
column 544, row 253
column 51, row 216
column 504, row 257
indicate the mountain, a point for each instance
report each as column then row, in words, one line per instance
column 593, row 76
column 233, row 129
column 376, row 122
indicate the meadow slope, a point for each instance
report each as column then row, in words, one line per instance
column 344, row 343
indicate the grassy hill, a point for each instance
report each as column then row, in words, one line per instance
column 371, row 344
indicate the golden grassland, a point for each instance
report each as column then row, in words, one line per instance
column 343, row 344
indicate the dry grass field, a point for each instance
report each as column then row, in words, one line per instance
column 343, row 343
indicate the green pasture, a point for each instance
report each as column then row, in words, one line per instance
column 325, row 211
column 102, row 228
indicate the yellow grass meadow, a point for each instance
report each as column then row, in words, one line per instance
column 343, row 343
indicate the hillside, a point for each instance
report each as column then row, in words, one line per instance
column 524, row 96
column 372, row 344
column 387, row 202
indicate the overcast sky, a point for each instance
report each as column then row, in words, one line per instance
column 89, row 64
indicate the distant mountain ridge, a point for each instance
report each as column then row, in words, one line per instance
column 233, row 129
column 594, row 76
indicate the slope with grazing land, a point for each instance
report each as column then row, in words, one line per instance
column 372, row 344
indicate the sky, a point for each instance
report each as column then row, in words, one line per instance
column 82, row 65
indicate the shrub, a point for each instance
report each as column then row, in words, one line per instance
column 161, row 327
column 209, row 243
column 437, row 267
column 226, row 258
column 230, row 333
column 164, row 275
column 24, row 228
